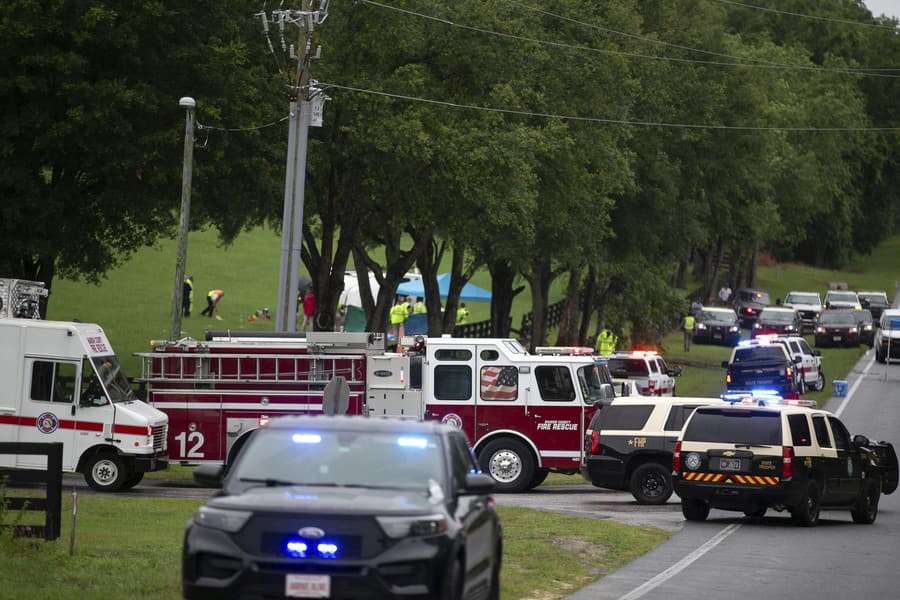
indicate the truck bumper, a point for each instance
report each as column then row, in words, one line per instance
column 151, row 462
column 604, row 471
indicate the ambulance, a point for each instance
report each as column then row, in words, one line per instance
column 525, row 414
column 61, row 382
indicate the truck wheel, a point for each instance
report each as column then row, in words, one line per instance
column 820, row 381
column 866, row 508
column 539, row 476
column 106, row 472
column 509, row 462
column 694, row 509
column 882, row 358
column 651, row 483
column 756, row 513
column 132, row 481
column 807, row 512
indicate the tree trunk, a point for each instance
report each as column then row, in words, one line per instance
column 751, row 265
column 428, row 263
column 587, row 303
column 502, row 296
column 568, row 335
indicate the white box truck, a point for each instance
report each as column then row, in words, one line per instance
column 61, row 382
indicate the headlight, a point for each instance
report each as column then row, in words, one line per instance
column 868, row 328
column 789, row 328
column 820, row 330
column 216, row 518
column 757, row 326
column 733, row 329
column 398, row 527
column 701, row 326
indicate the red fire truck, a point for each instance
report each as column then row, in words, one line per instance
column 525, row 413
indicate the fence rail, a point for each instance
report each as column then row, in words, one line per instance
column 50, row 479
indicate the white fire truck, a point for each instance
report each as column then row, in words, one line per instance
column 525, row 413
column 61, row 382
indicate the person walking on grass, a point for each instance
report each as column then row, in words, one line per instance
column 687, row 325
column 187, row 296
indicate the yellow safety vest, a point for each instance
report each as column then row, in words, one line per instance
column 689, row 323
column 606, row 342
column 399, row 312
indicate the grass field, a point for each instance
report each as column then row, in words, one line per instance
column 131, row 548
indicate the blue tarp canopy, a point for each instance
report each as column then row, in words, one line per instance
column 470, row 292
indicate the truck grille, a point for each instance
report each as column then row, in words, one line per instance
column 159, row 437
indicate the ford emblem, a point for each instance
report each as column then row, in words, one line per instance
column 311, row 533
column 383, row 373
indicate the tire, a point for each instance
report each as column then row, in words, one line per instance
column 106, row 472
column 756, row 513
column 820, row 382
column 807, row 512
column 509, row 462
column 651, row 483
column 452, row 586
column 494, row 590
column 694, row 510
column 865, row 510
column 880, row 357
column 539, row 476
column 132, row 481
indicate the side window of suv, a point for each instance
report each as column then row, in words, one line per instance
column 822, row 435
column 841, row 435
column 805, row 347
column 677, row 416
column 626, row 418
column 800, row 430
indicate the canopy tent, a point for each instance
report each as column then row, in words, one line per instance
column 470, row 292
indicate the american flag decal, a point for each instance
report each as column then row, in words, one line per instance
column 499, row 383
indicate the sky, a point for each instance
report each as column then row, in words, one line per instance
column 890, row 8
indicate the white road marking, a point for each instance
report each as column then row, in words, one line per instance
column 853, row 388
column 682, row 564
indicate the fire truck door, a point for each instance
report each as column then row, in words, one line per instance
column 197, row 431
column 46, row 409
column 448, row 382
column 556, row 415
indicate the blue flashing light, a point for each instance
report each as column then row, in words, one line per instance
column 412, row 442
column 295, row 548
column 306, row 438
column 327, row 549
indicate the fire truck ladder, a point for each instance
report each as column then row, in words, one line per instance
column 192, row 367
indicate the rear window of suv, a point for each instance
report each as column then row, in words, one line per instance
column 735, row 426
column 634, row 367
column 758, row 353
column 621, row 417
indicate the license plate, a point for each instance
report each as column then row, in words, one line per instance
column 729, row 464
column 836, row 338
column 307, row 586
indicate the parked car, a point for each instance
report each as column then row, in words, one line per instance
column 887, row 338
column 837, row 328
column 717, row 325
column 778, row 321
column 808, row 304
column 341, row 507
column 748, row 303
column 877, row 302
column 842, row 299
column 865, row 323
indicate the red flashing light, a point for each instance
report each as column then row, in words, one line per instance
column 676, row 458
column 644, row 353
column 749, row 310
column 595, row 442
column 787, row 462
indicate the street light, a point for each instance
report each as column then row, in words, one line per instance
column 184, row 223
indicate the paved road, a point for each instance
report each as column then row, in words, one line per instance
column 731, row 557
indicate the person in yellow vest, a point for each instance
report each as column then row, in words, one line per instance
column 687, row 325
column 606, row 342
column 212, row 298
column 419, row 307
column 398, row 315
column 187, row 296
column 462, row 314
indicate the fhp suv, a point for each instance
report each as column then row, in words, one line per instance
column 751, row 458
column 628, row 445
column 763, row 365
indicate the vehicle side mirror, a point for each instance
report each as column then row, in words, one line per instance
column 607, row 392
column 209, row 475
column 860, row 440
column 865, row 303
column 724, row 364
column 479, row 483
column 798, row 359
column 674, row 372
column 817, row 353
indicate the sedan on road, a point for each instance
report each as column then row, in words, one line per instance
column 837, row 328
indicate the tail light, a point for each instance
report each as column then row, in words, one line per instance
column 788, row 372
column 728, row 377
column 651, row 384
column 676, row 458
column 749, row 310
column 787, row 462
column 594, row 437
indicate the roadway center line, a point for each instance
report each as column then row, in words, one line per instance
column 853, row 388
column 682, row 564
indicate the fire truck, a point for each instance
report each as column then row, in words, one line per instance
column 61, row 382
column 524, row 413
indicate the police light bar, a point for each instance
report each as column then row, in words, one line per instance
column 768, row 337
column 564, row 350
column 644, row 353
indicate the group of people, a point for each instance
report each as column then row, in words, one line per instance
column 187, row 299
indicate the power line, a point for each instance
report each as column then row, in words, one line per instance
column 804, row 16
column 524, row 113
column 250, row 128
column 619, row 52
column 651, row 40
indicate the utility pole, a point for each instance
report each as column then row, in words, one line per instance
column 184, row 222
column 303, row 95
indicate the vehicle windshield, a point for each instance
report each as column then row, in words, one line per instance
column 776, row 316
column 336, row 458
column 863, row 316
column 886, row 320
column 828, row 318
column 628, row 367
column 101, row 373
column 758, row 354
column 591, row 381
column 841, row 297
column 734, row 425
column 801, row 298
column 717, row 315
column 878, row 299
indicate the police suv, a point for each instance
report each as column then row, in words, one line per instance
column 748, row 457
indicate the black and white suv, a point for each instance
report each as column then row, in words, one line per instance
column 750, row 458
column 629, row 442
column 646, row 369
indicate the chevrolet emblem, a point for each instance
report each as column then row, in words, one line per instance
column 728, row 453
